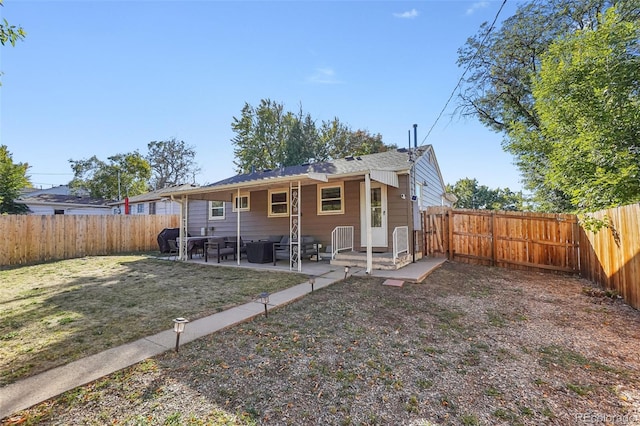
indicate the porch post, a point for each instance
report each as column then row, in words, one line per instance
column 184, row 225
column 238, row 227
column 367, row 216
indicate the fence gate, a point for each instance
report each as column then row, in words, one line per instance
column 436, row 225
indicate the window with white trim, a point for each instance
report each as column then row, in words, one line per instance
column 216, row 210
column 278, row 202
column 331, row 198
column 140, row 208
column 241, row 203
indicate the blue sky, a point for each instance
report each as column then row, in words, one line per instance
column 107, row 77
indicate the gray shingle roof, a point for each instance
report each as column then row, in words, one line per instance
column 394, row 160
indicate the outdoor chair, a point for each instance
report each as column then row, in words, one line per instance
column 308, row 247
column 173, row 249
column 218, row 248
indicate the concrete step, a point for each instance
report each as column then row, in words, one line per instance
column 381, row 261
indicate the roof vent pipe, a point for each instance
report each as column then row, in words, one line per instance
column 409, row 131
column 415, row 136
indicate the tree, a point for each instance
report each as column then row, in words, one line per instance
column 172, row 162
column 473, row 196
column 587, row 96
column 13, row 178
column 268, row 137
column 10, row 33
column 503, row 64
column 123, row 175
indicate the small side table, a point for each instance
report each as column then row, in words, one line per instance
column 260, row 251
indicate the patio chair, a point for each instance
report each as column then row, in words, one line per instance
column 173, row 249
column 308, row 248
column 219, row 248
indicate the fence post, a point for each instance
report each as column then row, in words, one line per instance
column 493, row 239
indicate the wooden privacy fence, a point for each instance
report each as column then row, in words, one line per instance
column 35, row 238
column 539, row 241
column 611, row 256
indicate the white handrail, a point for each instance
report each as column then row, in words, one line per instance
column 400, row 241
column 341, row 239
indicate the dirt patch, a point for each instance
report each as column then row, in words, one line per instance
column 471, row 345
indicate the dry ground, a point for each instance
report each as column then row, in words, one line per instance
column 471, row 345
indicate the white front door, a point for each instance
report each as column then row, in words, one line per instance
column 378, row 215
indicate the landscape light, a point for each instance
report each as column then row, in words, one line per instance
column 178, row 327
column 346, row 271
column 312, row 281
column 264, row 299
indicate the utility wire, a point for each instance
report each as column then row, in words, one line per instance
column 455, row 89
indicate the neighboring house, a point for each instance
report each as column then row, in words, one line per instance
column 62, row 200
column 327, row 201
column 155, row 202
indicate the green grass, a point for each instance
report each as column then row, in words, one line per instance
column 57, row 312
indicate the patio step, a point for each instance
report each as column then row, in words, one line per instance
column 381, row 261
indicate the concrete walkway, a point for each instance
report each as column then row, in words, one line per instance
column 33, row 390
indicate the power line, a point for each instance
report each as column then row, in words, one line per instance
column 455, row 89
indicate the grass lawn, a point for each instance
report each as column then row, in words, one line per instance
column 57, row 312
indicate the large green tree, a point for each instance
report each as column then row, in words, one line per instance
column 268, row 137
column 502, row 64
column 172, row 162
column 587, row 95
column 10, row 33
column 471, row 195
column 13, row 178
column 120, row 176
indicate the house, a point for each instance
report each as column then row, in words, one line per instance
column 62, row 200
column 366, row 204
column 153, row 202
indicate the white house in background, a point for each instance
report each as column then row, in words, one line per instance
column 62, row 200
column 154, row 202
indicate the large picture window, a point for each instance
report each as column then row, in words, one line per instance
column 278, row 202
column 241, row 203
column 331, row 199
column 216, row 210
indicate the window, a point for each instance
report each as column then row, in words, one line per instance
column 152, row 208
column 241, row 203
column 140, row 208
column 278, row 203
column 56, row 211
column 331, row 199
column 216, row 210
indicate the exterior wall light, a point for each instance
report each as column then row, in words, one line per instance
column 178, row 327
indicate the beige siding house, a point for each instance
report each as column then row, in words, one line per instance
column 365, row 204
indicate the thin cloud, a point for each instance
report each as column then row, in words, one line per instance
column 477, row 6
column 323, row 76
column 410, row 14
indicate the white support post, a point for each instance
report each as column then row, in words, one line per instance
column 238, row 227
column 367, row 202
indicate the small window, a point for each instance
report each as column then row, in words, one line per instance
column 140, row 208
column 216, row 210
column 278, row 203
column 331, row 199
column 56, row 211
column 152, row 208
column 241, row 203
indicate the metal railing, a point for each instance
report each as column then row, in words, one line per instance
column 341, row 239
column 400, row 241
